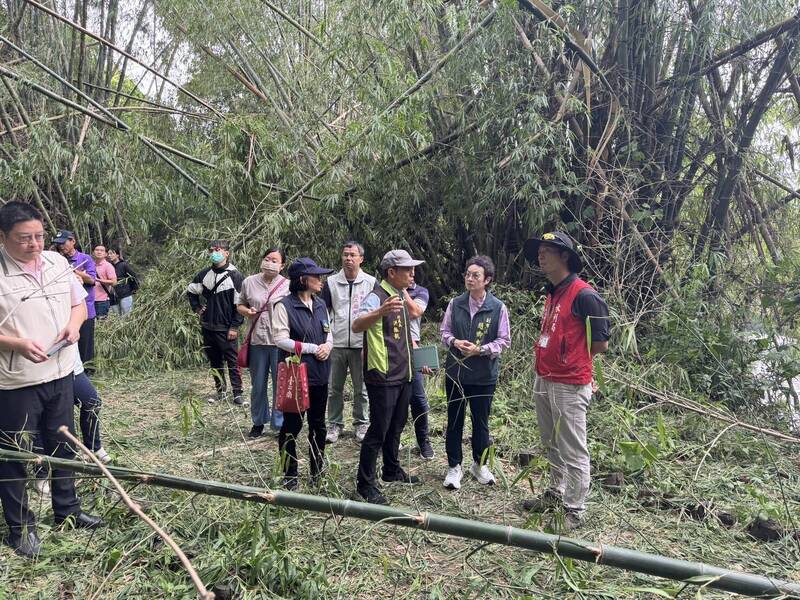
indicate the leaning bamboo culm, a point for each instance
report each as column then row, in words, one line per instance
column 651, row 564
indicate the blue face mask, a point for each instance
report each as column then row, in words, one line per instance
column 216, row 257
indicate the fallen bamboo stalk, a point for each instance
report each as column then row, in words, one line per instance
column 124, row 53
column 692, row 406
column 400, row 100
column 622, row 558
column 137, row 510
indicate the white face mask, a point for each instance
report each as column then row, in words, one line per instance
column 269, row 267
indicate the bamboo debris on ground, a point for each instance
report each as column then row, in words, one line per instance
column 651, row 564
column 203, row 593
column 692, row 406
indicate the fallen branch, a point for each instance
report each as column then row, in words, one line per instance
column 136, row 509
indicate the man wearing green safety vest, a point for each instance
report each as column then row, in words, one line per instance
column 388, row 373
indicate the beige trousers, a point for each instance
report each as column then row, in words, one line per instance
column 561, row 412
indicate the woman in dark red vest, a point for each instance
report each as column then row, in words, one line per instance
column 563, row 386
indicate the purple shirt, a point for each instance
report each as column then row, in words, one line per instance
column 493, row 348
column 84, row 262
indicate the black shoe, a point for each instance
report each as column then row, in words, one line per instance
column 548, row 501
column 238, row 400
column 290, row 483
column 81, row 520
column 373, row 496
column 256, row 432
column 401, row 477
column 426, row 450
column 27, row 545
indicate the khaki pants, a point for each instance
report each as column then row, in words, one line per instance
column 342, row 360
column 561, row 412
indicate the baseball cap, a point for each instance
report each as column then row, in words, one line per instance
column 306, row 266
column 399, row 258
column 62, row 236
column 556, row 239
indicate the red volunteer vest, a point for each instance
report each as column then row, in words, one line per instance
column 562, row 354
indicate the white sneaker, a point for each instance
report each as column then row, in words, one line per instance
column 333, row 433
column 453, row 479
column 42, row 487
column 361, row 431
column 103, row 456
column 482, row 474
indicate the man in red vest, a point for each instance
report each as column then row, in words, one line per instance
column 563, row 386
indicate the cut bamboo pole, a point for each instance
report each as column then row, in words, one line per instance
column 694, row 573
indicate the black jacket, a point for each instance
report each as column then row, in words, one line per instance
column 127, row 281
column 217, row 288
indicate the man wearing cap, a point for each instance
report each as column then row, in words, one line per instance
column 214, row 294
column 563, row 385
column 388, row 373
column 86, row 272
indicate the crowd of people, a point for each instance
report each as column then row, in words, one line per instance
column 352, row 324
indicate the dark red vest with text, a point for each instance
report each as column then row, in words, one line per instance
column 562, row 353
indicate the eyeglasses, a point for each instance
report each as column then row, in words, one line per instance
column 473, row 275
column 28, row 238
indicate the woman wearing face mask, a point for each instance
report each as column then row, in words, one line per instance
column 260, row 293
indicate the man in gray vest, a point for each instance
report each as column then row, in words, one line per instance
column 343, row 294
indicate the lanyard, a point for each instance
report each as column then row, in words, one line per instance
column 547, row 322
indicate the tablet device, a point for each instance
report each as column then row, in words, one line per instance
column 56, row 347
column 426, row 356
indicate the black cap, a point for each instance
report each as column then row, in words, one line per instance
column 556, row 239
column 62, row 236
column 306, row 266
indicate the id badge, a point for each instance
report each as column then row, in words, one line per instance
column 543, row 341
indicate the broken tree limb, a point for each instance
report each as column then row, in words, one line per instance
column 137, row 510
column 692, row 573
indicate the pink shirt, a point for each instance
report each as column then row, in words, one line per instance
column 105, row 270
column 77, row 292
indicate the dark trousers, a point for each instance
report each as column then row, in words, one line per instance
column 419, row 408
column 221, row 352
column 480, row 403
column 86, row 345
column 293, row 423
column 101, row 307
column 88, row 399
column 388, row 413
column 24, row 412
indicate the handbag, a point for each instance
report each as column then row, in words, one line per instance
column 243, row 357
column 293, row 384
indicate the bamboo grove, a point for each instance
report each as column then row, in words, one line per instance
column 660, row 133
